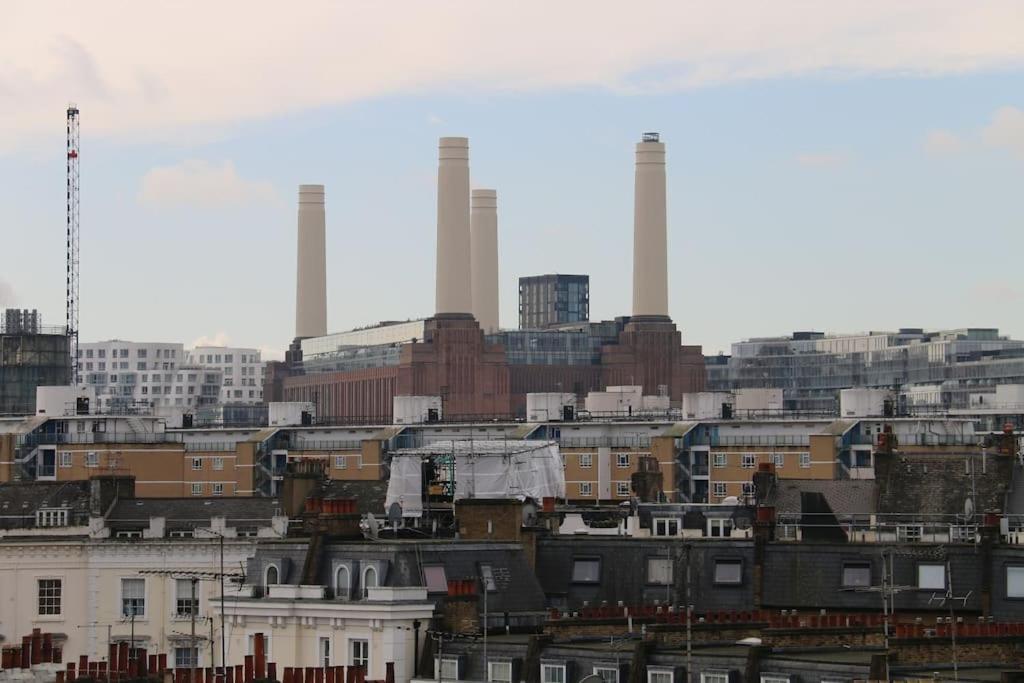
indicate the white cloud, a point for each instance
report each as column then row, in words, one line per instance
column 820, row 160
column 941, row 143
column 219, row 339
column 196, row 182
column 1006, row 130
column 152, row 69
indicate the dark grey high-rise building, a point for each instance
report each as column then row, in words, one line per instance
column 550, row 300
column 31, row 355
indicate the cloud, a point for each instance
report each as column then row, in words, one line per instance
column 940, row 143
column 218, row 339
column 1006, row 130
column 143, row 83
column 820, row 160
column 200, row 183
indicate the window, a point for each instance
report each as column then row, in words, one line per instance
column 449, row 668
column 218, row 489
column 65, row 458
column 499, row 672
column 271, row 577
column 748, row 488
column 728, row 572
column 340, row 462
column 370, row 580
column 778, row 459
column 133, row 597
column 719, row 528
column 805, row 460
column 552, row 673
column 908, row 532
column 266, row 644
column 435, row 579
column 774, row 678
column 586, row 570
column 623, row 460
column 1015, row 582
column 197, row 463
column 714, row 677
column 718, row 459
column 197, row 489
column 748, row 461
column 184, row 604
column 49, row 592
column 52, row 517
column 608, row 674
column 718, row 488
column 856, row 575
column 487, row 578
column 586, row 488
column 92, row 459
column 359, row 653
column 931, row 576
column 622, row 488
column 186, row 657
column 659, row 675
column 659, row 570
column 218, row 463
column 324, row 651
column 586, row 460
column 665, row 526
column 342, row 583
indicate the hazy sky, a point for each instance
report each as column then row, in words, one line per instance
column 837, row 166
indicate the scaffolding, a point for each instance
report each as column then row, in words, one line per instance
column 31, row 355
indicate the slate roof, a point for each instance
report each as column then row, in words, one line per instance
column 939, row 484
column 369, row 495
column 848, row 497
column 19, row 502
column 192, row 512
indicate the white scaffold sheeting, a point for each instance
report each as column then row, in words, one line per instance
column 405, row 486
column 483, row 469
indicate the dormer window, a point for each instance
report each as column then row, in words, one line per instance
column 46, row 517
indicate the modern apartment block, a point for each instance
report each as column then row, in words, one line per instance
column 942, row 370
column 241, row 368
column 552, row 300
column 132, row 376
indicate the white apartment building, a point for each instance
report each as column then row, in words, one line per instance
column 241, row 368
column 99, row 580
column 132, row 376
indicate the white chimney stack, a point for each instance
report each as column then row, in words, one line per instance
column 454, row 294
column 650, row 234
column 311, row 268
column 484, row 258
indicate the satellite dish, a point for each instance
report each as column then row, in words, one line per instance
column 395, row 514
column 968, row 508
column 372, row 526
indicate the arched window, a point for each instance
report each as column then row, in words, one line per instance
column 369, row 579
column 271, row 578
column 342, row 583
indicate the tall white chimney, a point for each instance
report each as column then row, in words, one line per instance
column 484, row 258
column 311, row 267
column 650, row 239
column 453, row 271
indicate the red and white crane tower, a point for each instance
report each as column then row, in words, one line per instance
column 72, row 243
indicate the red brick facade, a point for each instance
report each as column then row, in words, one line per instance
column 474, row 379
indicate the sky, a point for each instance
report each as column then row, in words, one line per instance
column 840, row 166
